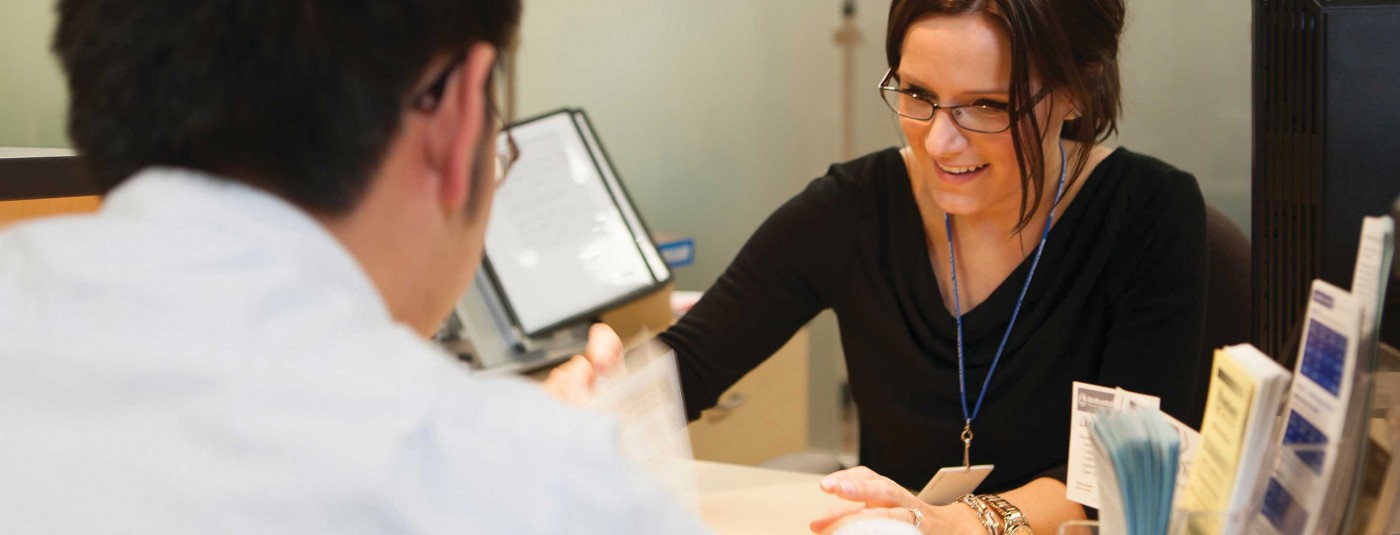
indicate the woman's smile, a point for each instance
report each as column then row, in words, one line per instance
column 960, row 174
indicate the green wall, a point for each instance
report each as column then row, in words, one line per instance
column 32, row 95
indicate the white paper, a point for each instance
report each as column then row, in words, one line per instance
column 1081, row 482
column 1374, row 254
column 652, row 424
column 1190, row 441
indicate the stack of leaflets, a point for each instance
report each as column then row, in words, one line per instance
column 1247, row 389
column 1372, row 426
column 1283, row 453
column 1136, row 452
column 1313, row 487
column 1296, row 497
column 1092, row 402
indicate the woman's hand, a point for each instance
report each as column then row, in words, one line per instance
column 878, row 496
column 572, row 382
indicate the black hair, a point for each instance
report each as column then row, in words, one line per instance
column 297, row 97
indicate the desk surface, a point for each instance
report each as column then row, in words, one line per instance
column 738, row 500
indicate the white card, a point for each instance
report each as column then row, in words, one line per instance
column 951, row 482
column 1081, row 482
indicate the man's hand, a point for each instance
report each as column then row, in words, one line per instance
column 572, row 382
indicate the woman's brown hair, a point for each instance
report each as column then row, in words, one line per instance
column 1071, row 45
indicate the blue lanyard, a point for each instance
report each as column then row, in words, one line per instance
column 957, row 309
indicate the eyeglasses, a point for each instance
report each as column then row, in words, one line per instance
column 506, row 150
column 984, row 116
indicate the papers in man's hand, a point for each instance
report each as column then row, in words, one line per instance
column 1247, row 389
column 651, row 422
column 1088, row 404
column 1296, row 496
column 1137, row 452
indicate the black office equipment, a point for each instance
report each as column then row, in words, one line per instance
column 41, row 173
column 1326, row 127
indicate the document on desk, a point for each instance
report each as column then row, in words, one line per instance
column 1089, row 402
column 651, row 423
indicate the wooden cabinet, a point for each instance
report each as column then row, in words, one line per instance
column 762, row 416
column 12, row 211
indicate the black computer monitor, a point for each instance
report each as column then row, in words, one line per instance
column 28, row 173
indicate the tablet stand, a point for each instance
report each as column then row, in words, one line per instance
column 487, row 339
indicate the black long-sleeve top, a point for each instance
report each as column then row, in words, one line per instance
column 1117, row 300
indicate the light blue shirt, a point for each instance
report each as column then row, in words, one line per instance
column 203, row 357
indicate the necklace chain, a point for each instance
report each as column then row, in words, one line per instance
column 966, row 436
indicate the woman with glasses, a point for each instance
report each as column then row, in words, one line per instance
column 1001, row 254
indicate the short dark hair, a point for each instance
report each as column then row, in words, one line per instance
column 297, row 97
column 1071, row 44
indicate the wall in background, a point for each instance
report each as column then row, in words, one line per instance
column 1186, row 86
column 715, row 112
column 33, row 98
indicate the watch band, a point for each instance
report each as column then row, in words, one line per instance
column 1013, row 521
column 989, row 518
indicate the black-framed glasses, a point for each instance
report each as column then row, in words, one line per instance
column 982, row 115
column 507, row 152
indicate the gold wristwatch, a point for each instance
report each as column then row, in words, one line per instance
column 1013, row 522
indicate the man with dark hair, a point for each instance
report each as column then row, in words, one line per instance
column 236, row 343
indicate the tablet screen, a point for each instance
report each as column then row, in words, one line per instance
column 564, row 241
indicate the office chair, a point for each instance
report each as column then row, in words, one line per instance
column 1227, row 299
